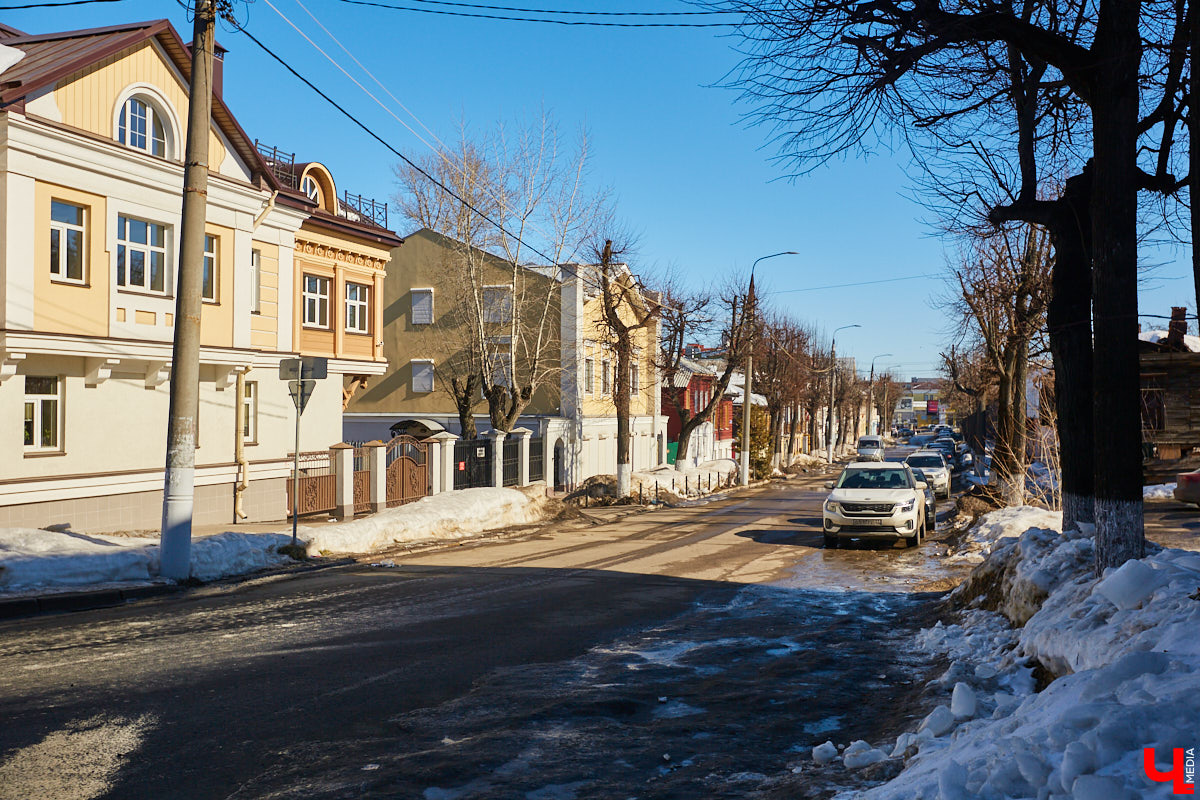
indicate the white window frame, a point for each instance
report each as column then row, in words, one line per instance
column 37, row 405
column 424, row 364
column 589, row 375
column 358, row 309
column 499, row 309
column 417, row 316
column 145, row 140
column 318, row 299
column 126, row 247
column 255, row 281
column 212, row 245
column 605, row 377
column 59, row 266
column 250, row 413
column 312, row 189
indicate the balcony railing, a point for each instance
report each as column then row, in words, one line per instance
column 366, row 209
column 281, row 164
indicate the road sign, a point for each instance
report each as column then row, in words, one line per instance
column 314, row 368
column 301, row 391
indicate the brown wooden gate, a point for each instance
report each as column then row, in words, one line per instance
column 317, row 488
column 407, row 470
column 362, row 479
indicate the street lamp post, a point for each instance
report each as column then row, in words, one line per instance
column 871, row 392
column 832, row 378
column 747, row 384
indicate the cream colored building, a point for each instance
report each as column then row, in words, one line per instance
column 572, row 415
column 92, row 125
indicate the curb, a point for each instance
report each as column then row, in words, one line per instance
column 18, row 607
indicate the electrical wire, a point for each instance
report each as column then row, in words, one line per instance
column 52, row 5
column 580, row 13
column 847, row 285
column 586, row 23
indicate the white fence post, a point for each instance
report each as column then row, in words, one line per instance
column 377, row 461
column 341, row 458
column 497, row 438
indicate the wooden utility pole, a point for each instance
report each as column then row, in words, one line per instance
column 179, row 482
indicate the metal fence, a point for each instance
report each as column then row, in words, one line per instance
column 316, row 487
column 362, row 480
column 512, row 461
column 472, row 463
column 407, row 462
column 537, row 460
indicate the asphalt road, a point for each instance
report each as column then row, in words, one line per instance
column 692, row 652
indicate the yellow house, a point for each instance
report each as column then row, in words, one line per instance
column 92, row 126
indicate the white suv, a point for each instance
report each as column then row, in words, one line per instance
column 873, row 499
column 934, row 465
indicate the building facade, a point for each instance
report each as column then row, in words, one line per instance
column 92, row 127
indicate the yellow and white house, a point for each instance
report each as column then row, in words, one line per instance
column 92, row 125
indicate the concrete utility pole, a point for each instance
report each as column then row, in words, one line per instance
column 871, row 394
column 832, row 378
column 179, row 484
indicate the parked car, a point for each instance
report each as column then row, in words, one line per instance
column 920, row 439
column 875, row 499
column 870, row 448
column 933, row 464
column 1187, row 487
column 930, row 499
column 947, row 448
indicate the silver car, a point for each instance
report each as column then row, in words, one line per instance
column 934, row 465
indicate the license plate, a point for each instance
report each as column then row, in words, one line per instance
column 872, row 523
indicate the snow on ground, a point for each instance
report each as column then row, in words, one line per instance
column 991, row 528
column 1161, row 491
column 451, row 515
column 686, row 481
column 34, row 560
column 1127, row 660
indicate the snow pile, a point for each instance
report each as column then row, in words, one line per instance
column 686, row 481
column 1125, row 651
column 990, row 528
column 806, row 460
column 1161, row 491
column 38, row 560
column 450, row 515
column 32, row 559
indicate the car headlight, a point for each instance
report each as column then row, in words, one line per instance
column 906, row 507
column 832, row 506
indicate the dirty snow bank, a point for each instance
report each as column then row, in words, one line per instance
column 686, row 481
column 34, row 559
column 1125, row 647
column 1160, row 491
column 990, row 528
column 450, row 515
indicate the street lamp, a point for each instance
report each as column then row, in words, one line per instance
column 832, row 378
column 749, row 318
column 871, row 393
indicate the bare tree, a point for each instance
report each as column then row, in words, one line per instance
column 626, row 308
column 689, row 316
column 1002, row 285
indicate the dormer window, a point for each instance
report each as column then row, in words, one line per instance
column 311, row 188
column 142, row 127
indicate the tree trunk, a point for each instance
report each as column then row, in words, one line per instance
column 1069, row 322
column 463, row 391
column 1116, row 404
column 621, row 400
column 1004, row 456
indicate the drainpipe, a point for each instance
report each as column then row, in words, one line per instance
column 266, row 210
column 242, row 482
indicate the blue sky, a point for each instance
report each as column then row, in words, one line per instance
column 688, row 174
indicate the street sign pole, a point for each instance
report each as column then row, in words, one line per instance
column 296, row 477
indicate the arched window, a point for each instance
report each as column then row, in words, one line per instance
column 142, row 126
column 311, row 188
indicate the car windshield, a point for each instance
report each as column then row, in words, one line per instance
column 874, row 479
column 924, row 461
column 865, row 444
column 918, row 474
column 919, row 440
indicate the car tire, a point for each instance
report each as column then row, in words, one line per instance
column 831, row 542
column 914, row 540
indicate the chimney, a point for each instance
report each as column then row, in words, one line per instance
column 218, row 66
column 1177, row 329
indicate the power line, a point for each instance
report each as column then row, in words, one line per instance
column 847, row 285
column 580, row 13
column 52, row 5
column 587, row 23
